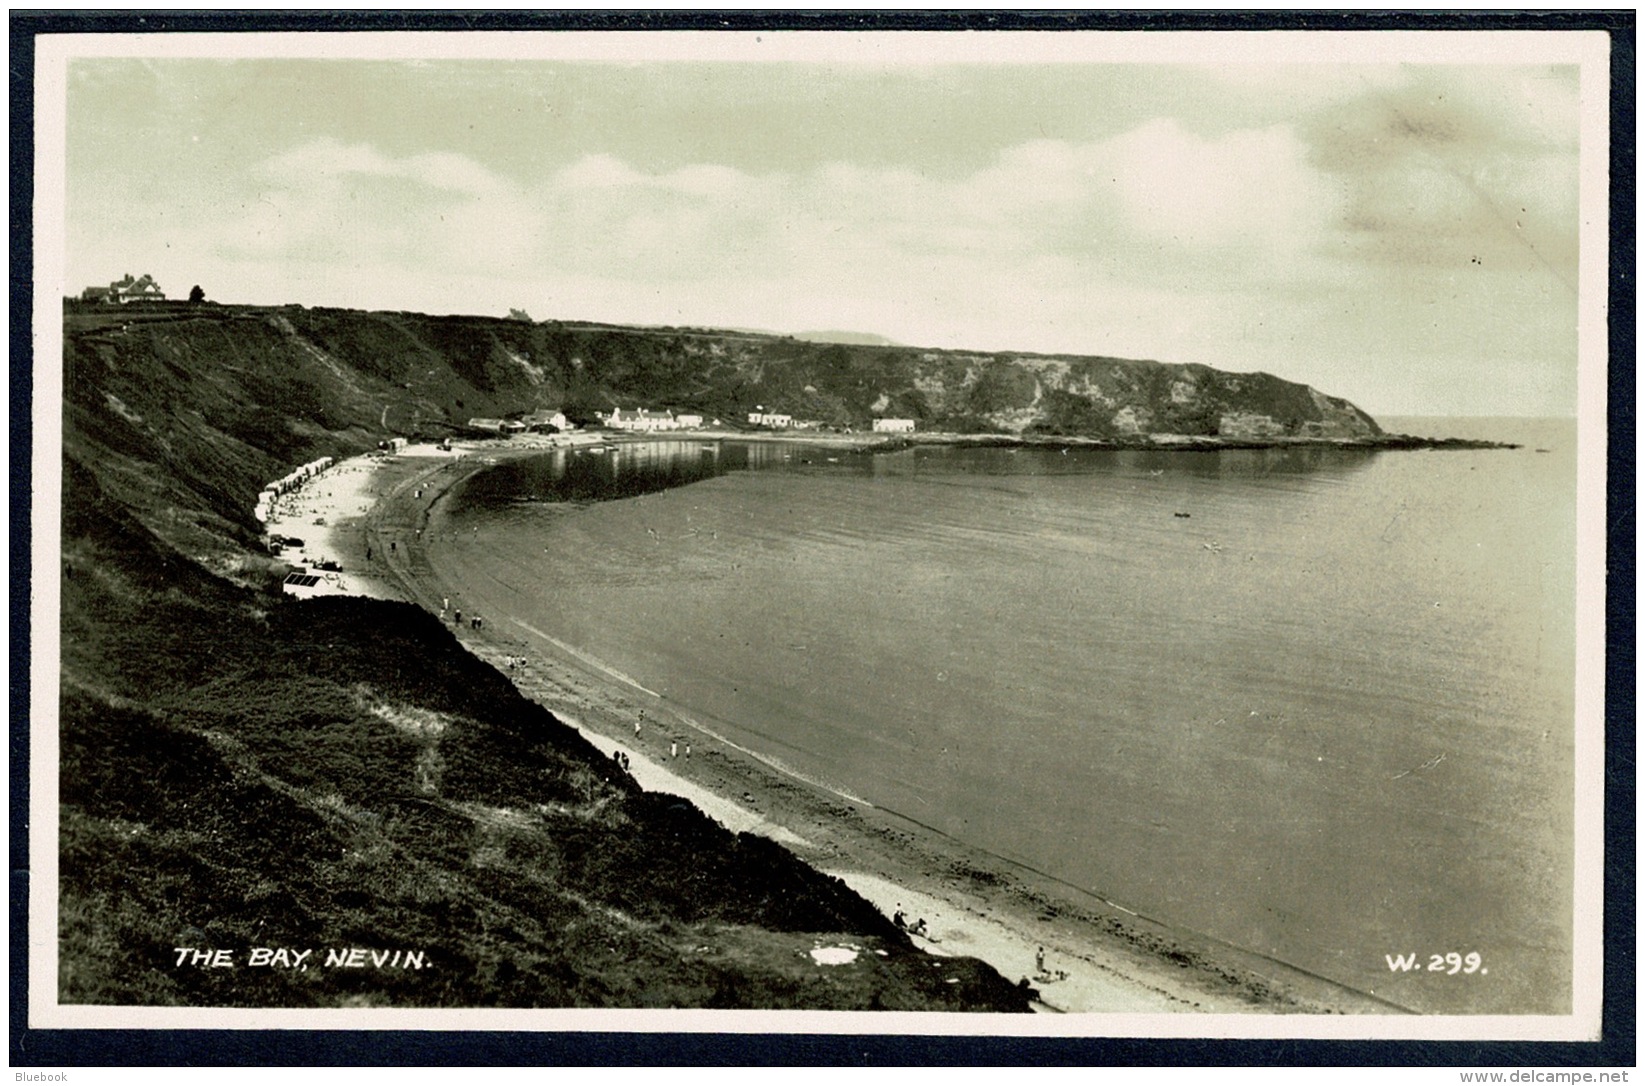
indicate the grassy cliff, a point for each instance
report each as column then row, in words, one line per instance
column 240, row 770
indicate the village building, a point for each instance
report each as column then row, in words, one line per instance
column 760, row 417
column 545, row 421
column 893, row 426
column 641, row 420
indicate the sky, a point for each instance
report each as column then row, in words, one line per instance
column 1405, row 235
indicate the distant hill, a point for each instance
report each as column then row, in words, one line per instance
column 855, row 339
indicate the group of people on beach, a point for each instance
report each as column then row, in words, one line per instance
column 475, row 622
column 673, row 744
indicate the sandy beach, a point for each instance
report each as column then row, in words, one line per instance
column 369, row 516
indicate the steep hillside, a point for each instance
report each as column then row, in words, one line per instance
column 243, row 770
column 240, row 772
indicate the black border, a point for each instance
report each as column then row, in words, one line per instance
column 140, row 1048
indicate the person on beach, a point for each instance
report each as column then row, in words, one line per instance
column 673, row 750
column 459, row 618
column 636, row 729
column 688, row 750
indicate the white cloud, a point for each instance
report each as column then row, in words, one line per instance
column 330, row 161
column 597, row 172
column 1248, row 194
column 1253, row 187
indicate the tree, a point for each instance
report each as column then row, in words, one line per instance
column 196, row 295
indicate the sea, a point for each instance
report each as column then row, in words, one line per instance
column 1314, row 702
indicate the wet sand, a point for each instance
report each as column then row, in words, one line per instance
column 1080, row 953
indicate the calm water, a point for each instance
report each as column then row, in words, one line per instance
column 1314, row 703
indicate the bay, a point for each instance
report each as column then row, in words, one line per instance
column 1313, row 702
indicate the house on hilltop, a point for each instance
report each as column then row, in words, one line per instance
column 124, row 290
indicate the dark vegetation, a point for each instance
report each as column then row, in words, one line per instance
column 241, row 770
column 242, row 773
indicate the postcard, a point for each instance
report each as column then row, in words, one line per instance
column 1024, row 533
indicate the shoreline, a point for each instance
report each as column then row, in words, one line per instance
column 874, row 442
column 1098, row 955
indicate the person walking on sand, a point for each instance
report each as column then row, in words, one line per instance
column 636, row 729
column 673, row 750
column 459, row 614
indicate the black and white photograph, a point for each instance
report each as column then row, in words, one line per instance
column 898, row 532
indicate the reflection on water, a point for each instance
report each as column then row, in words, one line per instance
column 631, row 470
column 605, row 473
column 594, row 474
